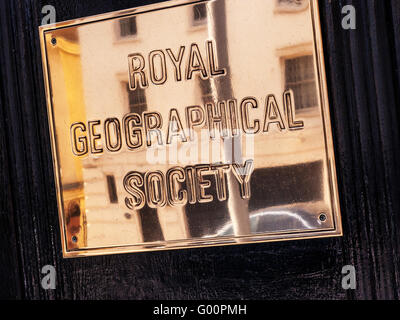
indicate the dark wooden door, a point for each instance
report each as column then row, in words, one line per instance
column 363, row 80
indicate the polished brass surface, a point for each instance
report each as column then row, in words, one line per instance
column 190, row 124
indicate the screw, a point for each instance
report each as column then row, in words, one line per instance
column 53, row 41
column 74, row 239
column 322, row 217
column 128, row 216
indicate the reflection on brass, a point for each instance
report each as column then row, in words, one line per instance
column 190, row 124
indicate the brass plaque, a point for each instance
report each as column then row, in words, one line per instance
column 190, row 124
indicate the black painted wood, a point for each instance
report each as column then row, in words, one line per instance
column 363, row 77
column 9, row 266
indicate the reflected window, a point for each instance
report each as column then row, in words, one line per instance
column 128, row 27
column 291, row 5
column 300, row 77
column 136, row 99
column 199, row 14
column 112, row 189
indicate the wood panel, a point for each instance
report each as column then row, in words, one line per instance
column 363, row 78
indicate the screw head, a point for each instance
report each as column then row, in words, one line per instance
column 322, row 217
column 74, row 239
column 53, row 41
column 128, row 216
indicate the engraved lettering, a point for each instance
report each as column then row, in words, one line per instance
column 133, row 182
column 212, row 59
column 272, row 114
column 158, row 66
column 243, row 174
column 136, row 71
column 190, row 185
column 217, row 117
column 133, row 131
column 196, row 63
column 175, row 128
column 203, row 184
column 158, row 55
column 220, row 178
column 152, row 124
column 288, row 102
column 180, row 186
column 177, row 62
column 82, row 140
column 155, row 191
column 233, row 118
column 117, row 144
column 175, row 178
column 94, row 137
column 220, row 121
column 194, row 118
column 244, row 107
